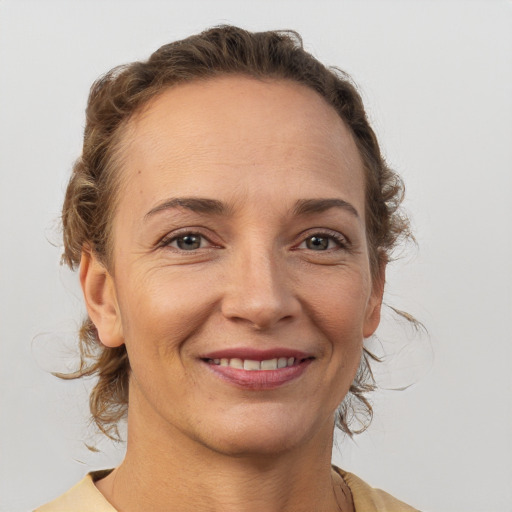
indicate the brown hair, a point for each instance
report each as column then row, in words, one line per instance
column 90, row 200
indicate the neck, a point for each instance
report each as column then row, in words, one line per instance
column 165, row 470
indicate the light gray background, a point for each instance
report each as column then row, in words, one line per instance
column 437, row 78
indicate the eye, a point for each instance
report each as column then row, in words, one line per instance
column 187, row 242
column 323, row 242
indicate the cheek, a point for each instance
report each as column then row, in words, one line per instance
column 340, row 311
column 150, row 311
column 340, row 314
column 160, row 312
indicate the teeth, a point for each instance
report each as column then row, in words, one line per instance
column 269, row 364
column 250, row 364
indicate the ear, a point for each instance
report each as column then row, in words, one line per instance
column 374, row 306
column 100, row 299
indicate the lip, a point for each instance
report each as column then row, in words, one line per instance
column 257, row 379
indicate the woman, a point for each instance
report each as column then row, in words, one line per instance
column 232, row 219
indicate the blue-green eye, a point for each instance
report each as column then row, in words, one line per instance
column 322, row 242
column 317, row 243
column 187, row 242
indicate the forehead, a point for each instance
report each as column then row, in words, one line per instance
column 236, row 129
column 239, row 106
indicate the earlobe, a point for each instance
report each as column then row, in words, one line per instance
column 375, row 302
column 100, row 299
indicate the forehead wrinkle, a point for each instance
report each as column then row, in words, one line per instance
column 205, row 155
column 169, row 100
column 151, row 149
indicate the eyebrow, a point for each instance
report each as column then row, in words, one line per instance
column 309, row 206
column 213, row 206
column 195, row 204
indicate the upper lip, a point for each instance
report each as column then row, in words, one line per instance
column 256, row 354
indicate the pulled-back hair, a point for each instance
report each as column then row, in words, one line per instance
column 91, row 195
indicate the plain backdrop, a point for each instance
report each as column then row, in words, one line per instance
column 437, row 79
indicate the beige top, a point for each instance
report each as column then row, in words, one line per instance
column 85, row 497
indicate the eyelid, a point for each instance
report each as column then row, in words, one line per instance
column 340, row 239
column 182, row 232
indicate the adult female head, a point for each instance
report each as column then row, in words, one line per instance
column 231, row 212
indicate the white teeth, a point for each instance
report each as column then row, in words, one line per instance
column 251, row 364
column 269, row 364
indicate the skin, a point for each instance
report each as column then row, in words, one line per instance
column 256, row 280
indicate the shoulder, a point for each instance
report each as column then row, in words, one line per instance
column 84, row 496
column 368, row 499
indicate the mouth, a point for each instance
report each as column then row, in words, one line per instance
column 255, row 365
column 257, row 370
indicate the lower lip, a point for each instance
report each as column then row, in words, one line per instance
column 259, row 379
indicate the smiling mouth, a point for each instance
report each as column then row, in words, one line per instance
column 254, row 365
column 258, row 374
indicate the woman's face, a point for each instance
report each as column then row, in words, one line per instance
column 241, row 283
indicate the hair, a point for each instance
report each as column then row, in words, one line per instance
column 91, row 196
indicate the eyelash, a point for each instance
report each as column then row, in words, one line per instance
column 168, row 240
column 341, row 241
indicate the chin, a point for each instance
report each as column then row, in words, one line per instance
column 243, row 446
column 261, row 435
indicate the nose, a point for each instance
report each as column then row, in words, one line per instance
column 259, row 291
